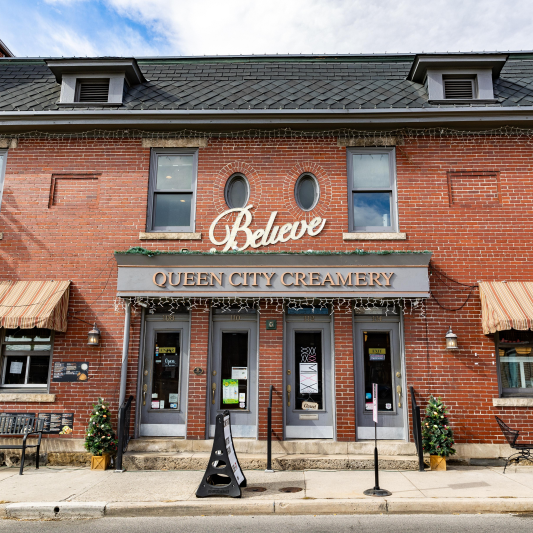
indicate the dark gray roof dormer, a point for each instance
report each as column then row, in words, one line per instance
column 449, row 76
column 116, row 73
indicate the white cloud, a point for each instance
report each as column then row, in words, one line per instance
column 331, row 26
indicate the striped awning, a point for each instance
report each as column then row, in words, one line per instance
column 506, row 305
column 34, row 304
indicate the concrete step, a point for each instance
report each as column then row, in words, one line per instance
column 287, row 447
column 199, row 460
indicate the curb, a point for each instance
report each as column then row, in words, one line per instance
column 235, row 507
column 54, row 510
column 323, row 507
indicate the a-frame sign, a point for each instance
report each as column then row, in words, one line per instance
column 223, row 476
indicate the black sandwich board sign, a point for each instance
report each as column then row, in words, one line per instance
column 223, row 476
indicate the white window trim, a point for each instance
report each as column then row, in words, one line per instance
column 69, row 84
column 483, row 87
column 394, row 226
column 189, row 230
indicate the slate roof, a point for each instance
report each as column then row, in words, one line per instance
column 251, row 83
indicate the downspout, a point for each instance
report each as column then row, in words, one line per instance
column 125, row 348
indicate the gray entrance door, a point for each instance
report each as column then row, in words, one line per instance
column 308, row 397
column 378, row 360
column 164, row 388
column 233, row 373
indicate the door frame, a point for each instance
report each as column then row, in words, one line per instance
column 180, row 317
column 321, row 318
column 210, row 355
column 399, row 319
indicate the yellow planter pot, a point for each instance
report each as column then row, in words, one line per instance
column 100, row 462
column 437, row 462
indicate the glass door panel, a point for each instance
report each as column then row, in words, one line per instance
column 234, row 370
column 308, row 366
column 166, row 371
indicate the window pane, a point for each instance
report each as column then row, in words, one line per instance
column 371, row 171
column 378, row 369
column 172, row 210
column 39, row 365
column 15, row 370
column 237, row 193
column 174, row 172
column 371, row 209
column 18, row 347
column 306, row 192
column 166, row 371
column 308, row 366
column 516, row 367
column 234, row 384
column 22, row 335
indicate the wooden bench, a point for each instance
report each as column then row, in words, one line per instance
column 21, row 426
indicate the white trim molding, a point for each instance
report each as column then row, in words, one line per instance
column 144, row 236
column 363, row 236
column 512, row 402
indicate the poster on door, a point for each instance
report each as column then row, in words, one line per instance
column 308, row 378
column 230, row 391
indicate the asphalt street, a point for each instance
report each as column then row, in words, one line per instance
column 283, row 524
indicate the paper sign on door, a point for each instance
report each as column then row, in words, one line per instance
column 308, row 378
column 230, row 391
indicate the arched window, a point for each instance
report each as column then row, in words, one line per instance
column 237, row 191
column 306, row 192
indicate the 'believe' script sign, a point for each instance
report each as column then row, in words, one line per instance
column 261, row 237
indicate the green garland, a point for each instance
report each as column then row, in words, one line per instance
column 139, row 250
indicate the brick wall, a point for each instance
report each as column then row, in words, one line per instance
column 489, row 241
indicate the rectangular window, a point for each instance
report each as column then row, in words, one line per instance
column 3, row 158
column 514, row 350
column 172, row 191
column 26, row 357
column 372, row 190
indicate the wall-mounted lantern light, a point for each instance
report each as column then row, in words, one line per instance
column 451, row 340
column 93, row 337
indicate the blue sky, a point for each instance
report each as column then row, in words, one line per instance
column 197, row 27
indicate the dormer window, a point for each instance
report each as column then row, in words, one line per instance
column 94, row 81
column 92, row 90
column 462, row 88
column 458, row 78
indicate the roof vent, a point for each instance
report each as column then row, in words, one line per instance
column 459, row 89
column 93, row 91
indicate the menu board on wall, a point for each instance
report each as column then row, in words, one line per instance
column 70, row 371
column 57, row 423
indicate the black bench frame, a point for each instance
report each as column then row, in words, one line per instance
column 24, row 426
column 523, row 449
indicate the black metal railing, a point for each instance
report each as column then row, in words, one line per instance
column 269, row 432
column 417, row 430
column 124, row 417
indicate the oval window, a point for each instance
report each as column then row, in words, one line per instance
column 306, row 192
column 237, row 191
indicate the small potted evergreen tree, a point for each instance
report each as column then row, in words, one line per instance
column 437, row 436
column 100, row 439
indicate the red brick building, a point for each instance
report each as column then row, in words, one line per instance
column 311, row 223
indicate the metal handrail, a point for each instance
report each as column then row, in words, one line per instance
column 269, row 432
column 417, row 430
column 124, row 417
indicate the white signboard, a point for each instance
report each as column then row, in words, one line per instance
column 231, row 452
column 375, row 402
column 308, row 378
column 239, row 372
column 15, row 368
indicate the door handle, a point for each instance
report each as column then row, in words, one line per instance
column 213, row 389
column 399, row 391
column 145, row 388
column 288, row 395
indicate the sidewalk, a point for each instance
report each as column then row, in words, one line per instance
column 82, row 493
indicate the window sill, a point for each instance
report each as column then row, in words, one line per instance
column 512, row 402
column 374, row 236
column 170, row 236
column 27, row 397
column 89, row 104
